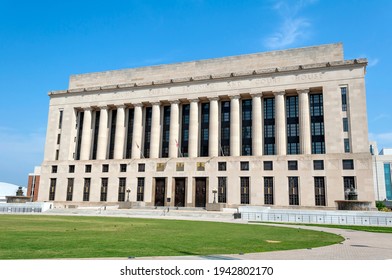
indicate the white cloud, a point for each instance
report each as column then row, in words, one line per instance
column 384, row 140
column 380, row 117
column 293, row 28
column 372, row 62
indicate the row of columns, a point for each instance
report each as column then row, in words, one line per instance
column 235, row 125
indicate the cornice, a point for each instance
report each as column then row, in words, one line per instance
column 362, row 62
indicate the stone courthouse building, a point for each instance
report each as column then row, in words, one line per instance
column 286, row 129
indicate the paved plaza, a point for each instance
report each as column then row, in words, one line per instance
column 358, row 245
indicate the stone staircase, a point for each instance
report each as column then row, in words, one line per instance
column 184, row 213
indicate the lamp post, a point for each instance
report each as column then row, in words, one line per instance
column 128, row 192
column 214, row 191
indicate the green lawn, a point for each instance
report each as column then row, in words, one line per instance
column 39, row 236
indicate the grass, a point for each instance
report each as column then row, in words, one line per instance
column 39, row 236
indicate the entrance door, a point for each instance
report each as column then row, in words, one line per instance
column 200, row 195
column 160, row 189
column 179, row 199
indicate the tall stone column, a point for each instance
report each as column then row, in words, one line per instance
column 120, row 133
column 194, row 128
column 86, row 135
column 174, row 129
column 304, row 121
column 213, row 141
column 137, row 131
column 257, row 125
column 155, row 130
column 235, row 126
column 103, row 133
column 280, row 123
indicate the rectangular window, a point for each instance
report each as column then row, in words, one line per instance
column 268, row 190
column 57, row 154
column 269, row 126
column 86, row 189
column 388, row 180
column 204, row 129
column 141, row 167
column 60, row 119
column 292, row 165
column 105, row 167
column 54, row 168
column 104, row 189
column 52, row 189
column 147, row 132
column 123, row 167
column 58, row 138
column 79, row 127
column 347, row 145
column 343, row 92
column 140, row 189
column 184, row 131
column 222, row 189
column 345, row 124
column 112, row 135
column 246, row 127
column 244, row 190
column 121, row 189
column 349, row 188
column 165, row 131
column 87, row 168
column 319, row 191
column 293, row 191
column 268, row 165
column 222, row 166
column 244, row 165
column 70, row 186
column 71, row 168
column 95, row 134
column 318, row 165
column 225, row 129
column 317, row 123
column 292, row 121
column 131, row 115
column 348, row 164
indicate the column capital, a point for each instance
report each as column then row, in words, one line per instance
column 87, row 109
column 156, row 103
column 194, row 100
column 234, row 97
column 216, row 98
column 105, row 107
column 120, row 106
column 256, row 94
column 174, row 101
column 278, row 93
column 303, row 90
column 137, row 104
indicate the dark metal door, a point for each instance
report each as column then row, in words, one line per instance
column 160, row 188
column 200, row 197
column 180, row 192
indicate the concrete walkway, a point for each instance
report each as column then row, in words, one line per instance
column 358, row 245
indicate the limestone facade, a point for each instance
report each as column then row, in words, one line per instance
column 283, row 129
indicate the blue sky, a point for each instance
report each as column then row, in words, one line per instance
column 43, row 42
